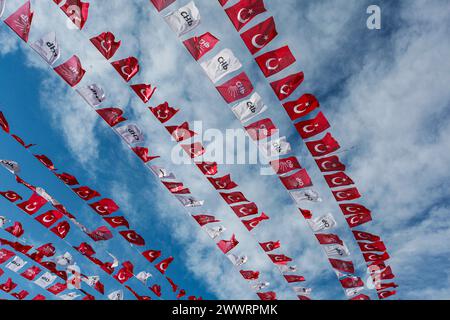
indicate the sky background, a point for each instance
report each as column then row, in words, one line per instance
column 384, row 92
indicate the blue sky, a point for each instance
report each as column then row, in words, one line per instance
column 384, row 92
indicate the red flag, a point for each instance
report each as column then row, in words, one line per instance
column 181, row 132
column 62, row 229
column 223, row 183
column 385, row 274
column 351, row 282
column 123, row 275
column 269, row 296
column 285, row 165
column 31, row 273
column 164, row 112
column 143, row 91
column 133, row 237
column 57, row 288
column 249, row 275
column 5, row 255
column 246, row 209
column 26, row 184
column 112, row 116
column 365, row 236
column 32, row 205
column 203, row 219
column 11, row 196
column 342, row 266
column 207, row 168
column 45, row 161
column 270, row 246
column 346, row 194
column 176, row 187
column 16, row 230
column 353, row 208
column 244, row 11
column 17, row 246
column 106, row 43
column 374, row 246
column 236, row 88
column 199, row 46
column 302, row 106
column 233, row 197
column 228, row 245
column 77, row 11
column 163, row 265
column 330, row 164
column 39, row 297
column 358, row 219
column 329, row 239
column 294, row 278
column 101, row 234
column 71, row 71
column 260, row 35
column 86, row 193
column 373, row 257
column 386, row 294
column 85, row 249
column 261, row 129
column 3, row 123
column 298, row 180
column 312, row 127
column 283, row 88
column 127, row 68
column 142, row 153
column 194, row 150
column 307, row 214
column 162, row 4
column 275, row 61
column 361, row 297
column 104, row 207
column 338, row 180
column 172, row 284
column 8, row 286
column 68, row 179
column 20, row 21
column 151, row 255
column 116, row 222
column 253, row 223
column 156, row 290
column 20, row 140
column 223, row 2
column 280, row 259
column 323, row 146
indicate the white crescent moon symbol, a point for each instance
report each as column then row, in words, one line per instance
column 255, row 44
column 122, row 69
column 243, row 210
column 239, row 16
column 101, row 209
column 319, row 148
column 351, row 209
column 298, row 110
column 254, row 224
column 221, row 185
column 12, row 197
column 102, row 44
column 341, row 194
column 31, row 207
column 160, row 116
column 284, row 88
column 48, row 218
column 354, row 219
column 269, row 66
column 336, row 180
column 309, row 128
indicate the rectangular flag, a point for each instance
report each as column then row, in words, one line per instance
column 244, row 11
column 222, row 64
column 275, row 61
column 184, row 20
column 237, row 88
column 260, row 35
column 249, row 108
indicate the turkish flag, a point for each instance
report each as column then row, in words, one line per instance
column 346, row 194
column 194, row 150
column 163, row 112
column 298, row 180
column 45, row 161
column 329, row 238
column 374, row 257
column 385, row 274
column 133, row 237
column 143, row 91
column 312, row 127
column 5, row 255
column 261, row 129
column 253, row 223
column 285, row 165
column 71, row 71
column 31, row 273
column 47, row 250
column 203, row 219
column 207, row 168
column 3, row 123
column 85, row 249
column 123, row 275
column 353, row 208
column 86, row 193
column 57, row 288
column 112, row 116
column 260, row 35
column 11, row 196
column 16, row 230
column 342, row 266
column 32, row 205
column 39, row 297
column 338, row 180
column 351, row 282
column 20, row 21
column 104, row 207
column 267, row 296
column 386, row 294
column 162, row 4
column 62, row 229
column 106, row 43
column 236, row 88
column 151, row 255
column 172, row 284
column 283, row 88
column 361, row 297
column 68, row 179
column 199, row 46
column 358, row 219
column 307, row 214
column 156, row 290
column 223, row 183
column 294, row 278
column 101, row 234
column 223, row 2
column 275, row 61
column 270, row 246
column 163, row 265
column 245, row 210
column 20, row 140
column 233, row 197
column 228, row 245
column 280, row 259
column 181, row 132
column 77, row 11
column 244, row 11
column 26, row 184
column 142, row 153
column 374, row 246
column 323, row 146
column 8, row 286
column 17, row 246
column 249, row 275
column 302, row 106
column 116, row 222
column 330, row 164
column 127, row 68
column 365, row 236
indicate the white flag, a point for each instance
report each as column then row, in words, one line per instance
column 11, row 166
column 45, row 280
column 184, row 19
column 303, row 291
column 162, row 173
column 92, row 94
column 215, row 232
column 286, row 268
column 131, row 133
column 275, row 148
column 351, row 292
column 2, row 221
column 47, row 47
column 190, row 201
column 305, row 195
column 250, row 108
column 91, row 280
column 2, row 7
column 40, row 191
column 16, row 264
column 69, row 296
column 64, row 260
column 337, row 251
column 260, row 286
column 116, row 295
column 322, row 223
column 221, row 64
column 237, row 260
column 143, row 276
